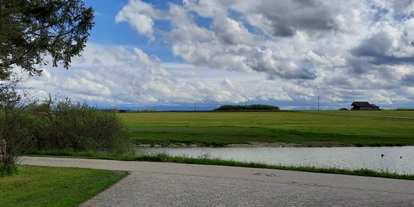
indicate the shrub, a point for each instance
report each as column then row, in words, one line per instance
column 79, row 127
column 15, row 120
column 72, row 126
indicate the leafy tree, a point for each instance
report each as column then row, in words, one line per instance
column 32, row 29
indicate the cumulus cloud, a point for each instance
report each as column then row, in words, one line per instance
column 140, row 16
column 116, row 81
column 232, row 32
column 236, row 51
column 184, row 28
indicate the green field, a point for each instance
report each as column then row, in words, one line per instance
column 50, row 186
column 313, row 128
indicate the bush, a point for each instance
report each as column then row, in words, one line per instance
column 71, row 126
column 405, row 109
column 79, row 127
column 14, row 128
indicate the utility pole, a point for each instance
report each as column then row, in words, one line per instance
column 195, row 106
column 318, row 103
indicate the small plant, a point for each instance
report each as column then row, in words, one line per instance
column 205, row 154
column 7, row 170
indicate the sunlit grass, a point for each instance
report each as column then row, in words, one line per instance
column 49, row 186
column 380, row 128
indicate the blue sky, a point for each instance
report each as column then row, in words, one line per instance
column 175, row 54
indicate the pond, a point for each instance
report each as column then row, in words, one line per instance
column 394, row 160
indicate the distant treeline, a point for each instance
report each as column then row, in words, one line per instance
column 405, row 109
column 254, row 107
column 125, row 110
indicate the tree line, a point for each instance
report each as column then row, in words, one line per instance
column 254, row 107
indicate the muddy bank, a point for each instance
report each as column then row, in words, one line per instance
column 249, row 145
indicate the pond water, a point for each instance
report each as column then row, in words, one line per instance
column 395, row 160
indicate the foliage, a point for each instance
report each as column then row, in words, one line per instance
column 254, row 107
column 34, row 125
column 404, row 109
column 77, row 126
column 50, row 186
column 30, row 29
column 14, row 126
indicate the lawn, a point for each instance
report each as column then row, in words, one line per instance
column 370, row 128
column 50, row 186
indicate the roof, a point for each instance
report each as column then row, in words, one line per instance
column 361, row 104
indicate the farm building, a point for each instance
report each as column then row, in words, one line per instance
column 363, row 105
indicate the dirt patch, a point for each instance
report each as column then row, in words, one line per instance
column 171, row 145
column 251, row 144
column 280, row 144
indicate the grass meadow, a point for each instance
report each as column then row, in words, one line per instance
column 308, row 128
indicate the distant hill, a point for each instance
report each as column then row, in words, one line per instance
column 254, row 107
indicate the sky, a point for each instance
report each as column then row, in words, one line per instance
column 181, row 54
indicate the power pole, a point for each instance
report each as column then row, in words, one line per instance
column 195, row 106
column 318, row 103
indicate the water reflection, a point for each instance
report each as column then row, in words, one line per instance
column 395, row 159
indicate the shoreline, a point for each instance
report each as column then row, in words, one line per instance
column 253, row 145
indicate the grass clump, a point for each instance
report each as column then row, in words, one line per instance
column 50, row 186
column 7, row 170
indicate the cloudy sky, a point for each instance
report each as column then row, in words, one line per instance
column 143, row 53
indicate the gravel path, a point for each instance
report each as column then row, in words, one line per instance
column 170, row 184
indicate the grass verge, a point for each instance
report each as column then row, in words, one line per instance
column 36, row 186
column 216, row 161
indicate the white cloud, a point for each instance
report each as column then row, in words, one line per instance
column 144, row 82
column 238, row 51
column 184, row 28
column 140, row 16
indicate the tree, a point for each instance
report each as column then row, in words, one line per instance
column 32, row 29
column 15, row 123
